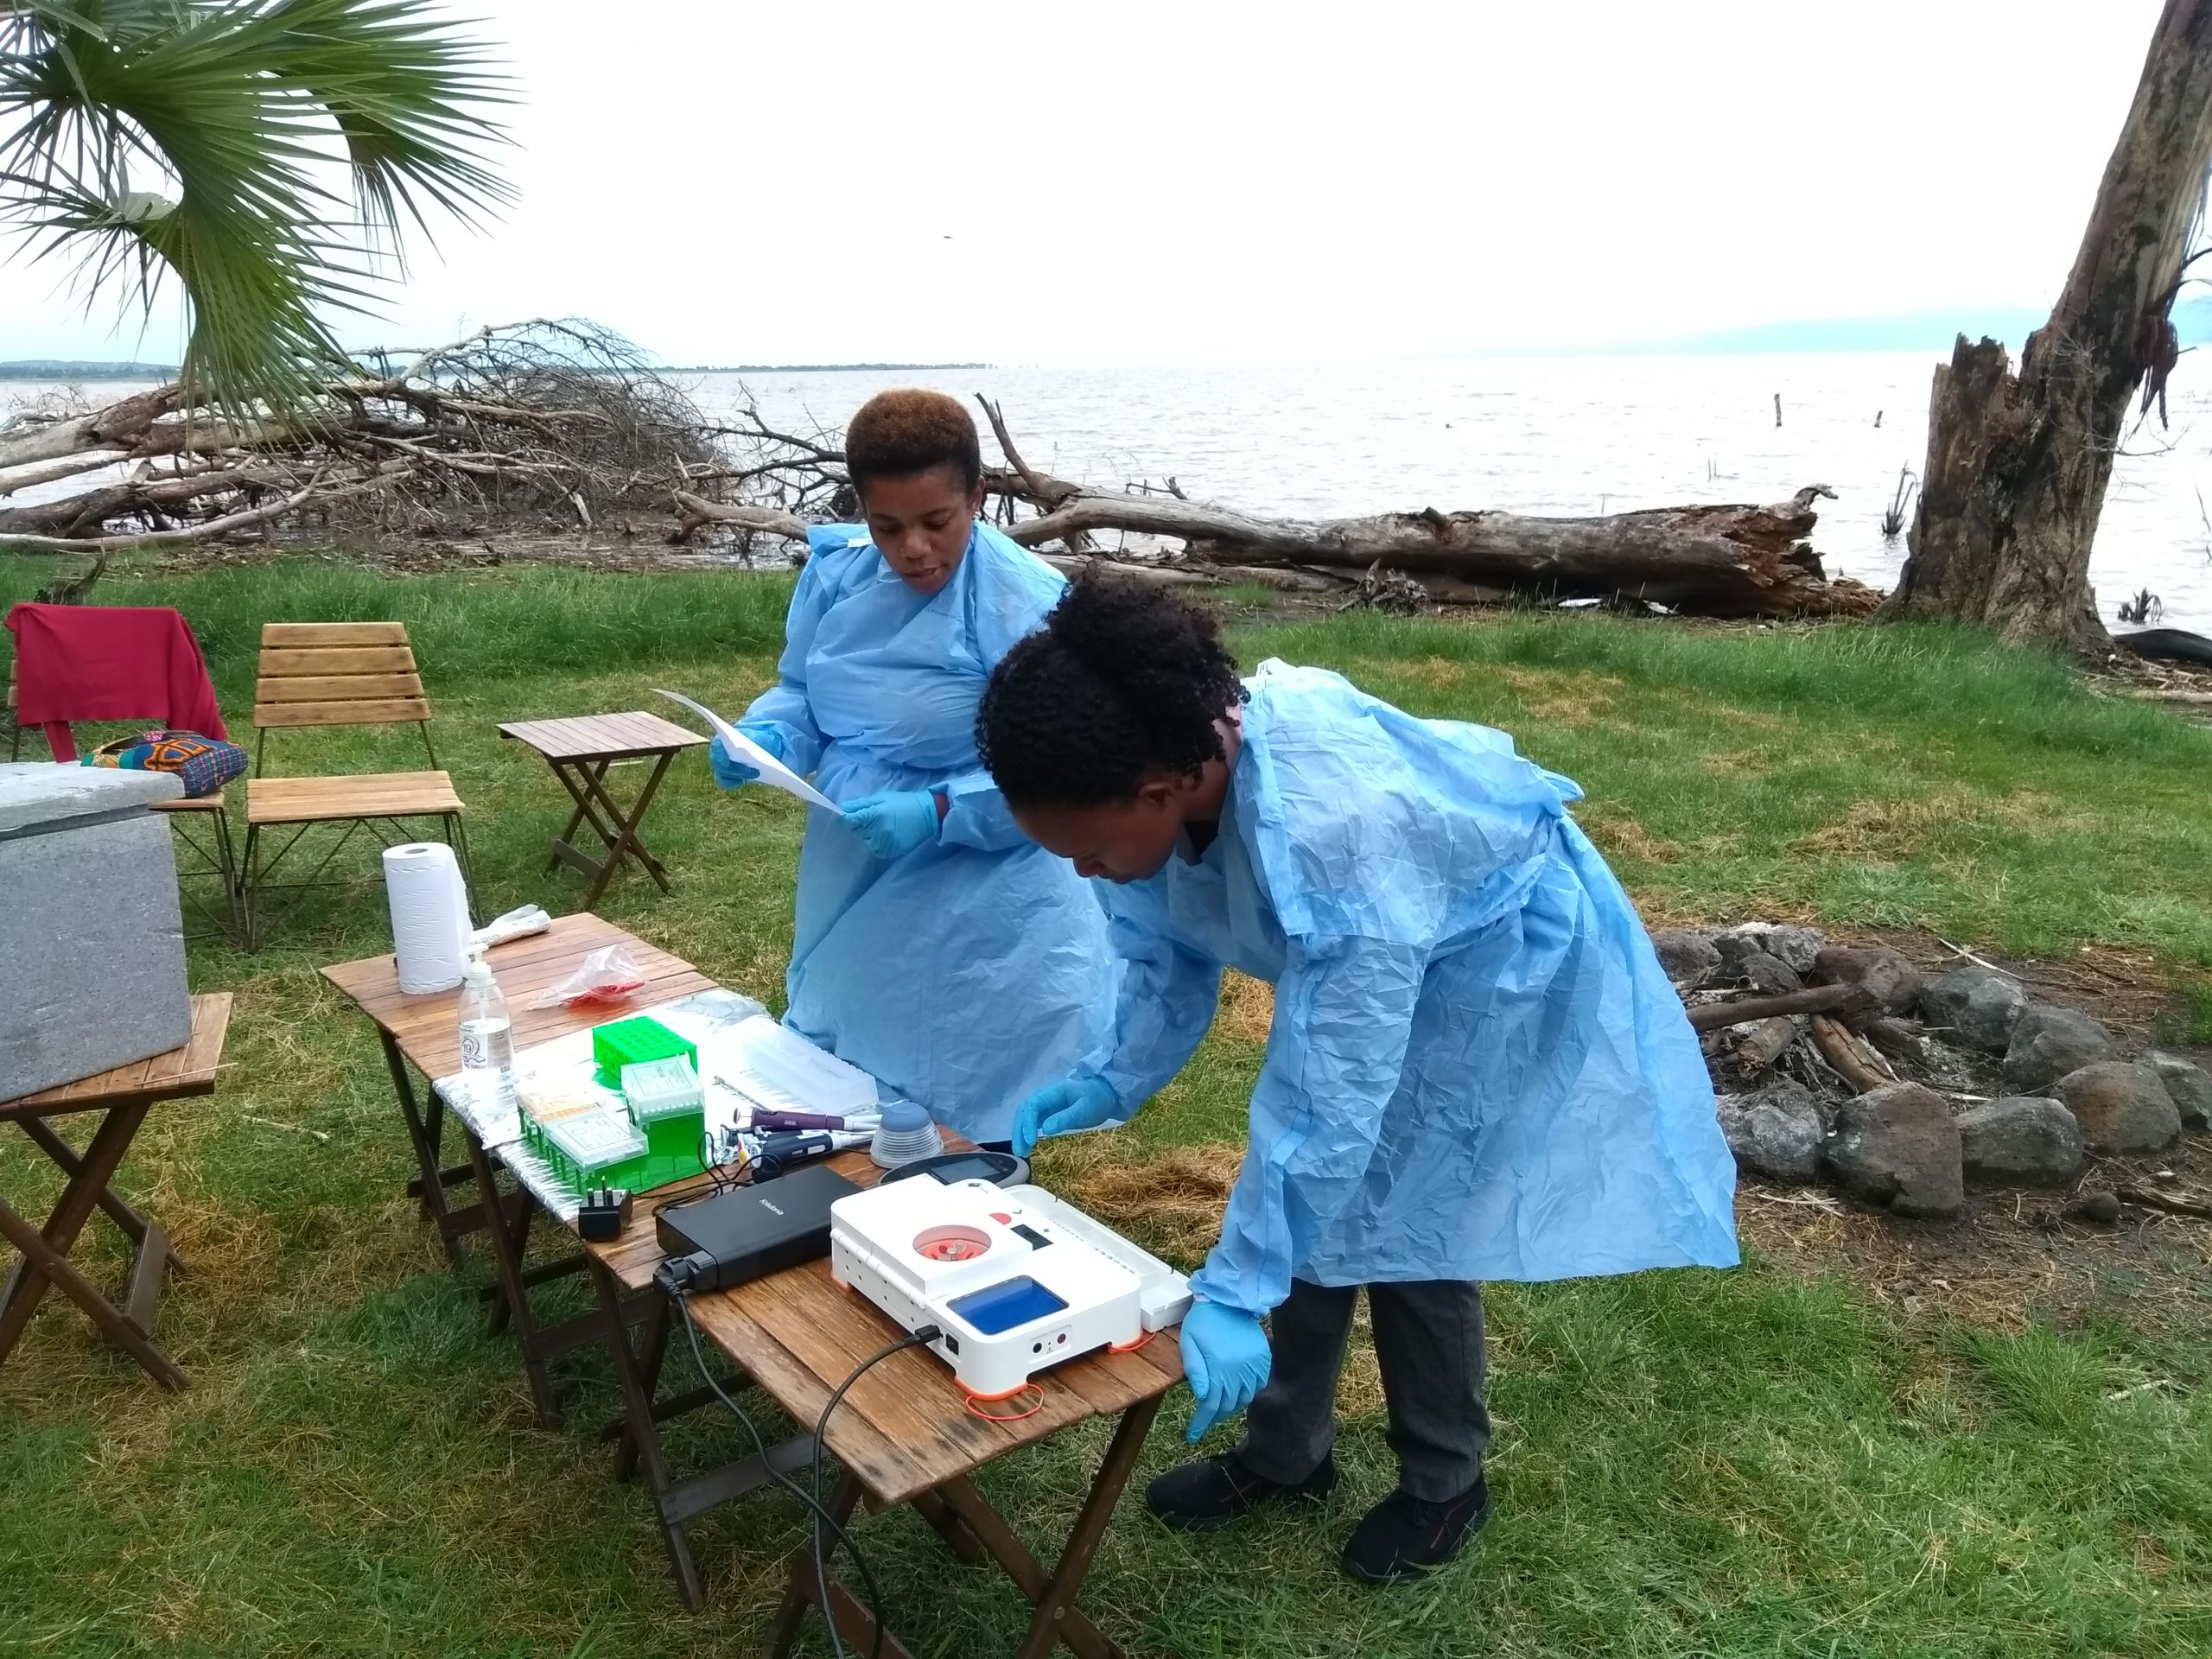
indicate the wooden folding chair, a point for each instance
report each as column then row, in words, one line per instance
column 336, row 674
column 213, row 859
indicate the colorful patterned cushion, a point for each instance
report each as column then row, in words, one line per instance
column 203, row 764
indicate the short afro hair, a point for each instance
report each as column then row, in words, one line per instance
column 1123, row 682
column 908, row 430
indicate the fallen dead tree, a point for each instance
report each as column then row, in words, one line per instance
column 550, row 425
column 1713, row 561
column 1710, row 560
column 1716, row 561
column 538, row 421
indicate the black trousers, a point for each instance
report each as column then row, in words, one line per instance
column 1429, row 1342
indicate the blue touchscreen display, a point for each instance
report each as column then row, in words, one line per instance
column 998, row 1308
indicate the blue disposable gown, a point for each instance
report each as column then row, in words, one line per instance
column 974, row 968
column 1477, row 1068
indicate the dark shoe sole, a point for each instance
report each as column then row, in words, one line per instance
column 1407, row 1571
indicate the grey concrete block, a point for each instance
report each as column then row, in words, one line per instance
column 92, row 941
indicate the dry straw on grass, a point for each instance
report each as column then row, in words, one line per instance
column 1171, row 1203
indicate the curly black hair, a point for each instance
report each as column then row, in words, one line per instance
column 1122, row 681
column 907, row 431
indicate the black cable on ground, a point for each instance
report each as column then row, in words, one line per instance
column 820, row 1516
column 928, row 1333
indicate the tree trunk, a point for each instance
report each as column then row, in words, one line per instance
column 1713, row 561
column 2017, row 466
column 1716, row 561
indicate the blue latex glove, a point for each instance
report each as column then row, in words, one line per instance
column 1062, row 1108
column 894, row 823
column 1226, row 1360
column 729, row 771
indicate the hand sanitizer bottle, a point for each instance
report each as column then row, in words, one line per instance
column 487, row 1042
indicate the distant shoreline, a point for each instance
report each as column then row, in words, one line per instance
column 41, row 368
column 53, row 368
column 814, row 368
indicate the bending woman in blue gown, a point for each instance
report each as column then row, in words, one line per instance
column 1476, row 1069
column 935, row 946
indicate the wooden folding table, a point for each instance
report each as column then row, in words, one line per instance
column 422, row 1034
column 903, row 1432
column 579, row 750
column 125, row 1095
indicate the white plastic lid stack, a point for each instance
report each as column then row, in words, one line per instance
column 658, row 1089
column 796, row 1074
column 596, row 1139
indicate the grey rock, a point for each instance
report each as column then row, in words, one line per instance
column 1794, row 945
column 1769, row 976
column 2121, row 1107
column 1889, row 977
column 1688, row 956
column 2049, row 1041
column 1975, row 1005
column 2024, row 1139
column 1897, row 1146
column 1776, row 1132
column 2188, row 1084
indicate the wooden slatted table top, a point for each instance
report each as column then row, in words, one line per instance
column 427, row 1028
column 905, row 1427
column 187, row 1071
column 601, row 737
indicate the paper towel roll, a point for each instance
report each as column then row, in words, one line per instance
column 429, row 915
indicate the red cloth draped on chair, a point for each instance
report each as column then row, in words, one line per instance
column 108, row 662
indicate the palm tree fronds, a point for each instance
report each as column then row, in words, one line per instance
column 204, row 139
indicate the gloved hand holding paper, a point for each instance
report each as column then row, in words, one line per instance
column 772, row 770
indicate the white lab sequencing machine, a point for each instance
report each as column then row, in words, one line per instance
column 1015, row 1280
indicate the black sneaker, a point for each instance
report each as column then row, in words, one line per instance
column 1404, row 1536
column 1213, row 1491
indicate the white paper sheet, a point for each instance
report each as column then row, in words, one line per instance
column 772, row 770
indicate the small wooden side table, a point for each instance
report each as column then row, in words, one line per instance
column 125, row 1096
column 580, row 751
column 905, row 1435
column 423, row 1032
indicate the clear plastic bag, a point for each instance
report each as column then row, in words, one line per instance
column 608, row 975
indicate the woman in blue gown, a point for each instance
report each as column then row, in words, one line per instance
column 1476, row 1069
column 936, row 948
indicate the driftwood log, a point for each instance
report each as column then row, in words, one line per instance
column 1845, row 1003
column 553, row 424
column 542, row 421
column 1713, row 561
column 1716, row 561
column 1851, row 1059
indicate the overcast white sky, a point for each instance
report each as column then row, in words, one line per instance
column 1200, row 180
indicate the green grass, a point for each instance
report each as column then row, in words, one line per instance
column 2195, row 1025
column 1686, row 1463
column 1247, row 595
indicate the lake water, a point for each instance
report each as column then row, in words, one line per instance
column 1566, row 435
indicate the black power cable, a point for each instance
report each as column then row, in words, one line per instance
column 927, row 1334
column 820, row 1517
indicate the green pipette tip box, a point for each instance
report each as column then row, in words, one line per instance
column 633, row 1042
